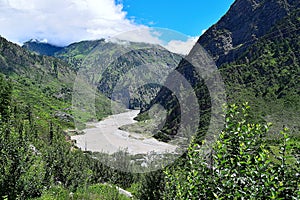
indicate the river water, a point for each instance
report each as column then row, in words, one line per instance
column 105, row 136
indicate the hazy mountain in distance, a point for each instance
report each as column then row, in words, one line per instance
column 41, row 48
column 112, row 61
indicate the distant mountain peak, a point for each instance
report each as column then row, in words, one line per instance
column 41, row 47
column 44, row 41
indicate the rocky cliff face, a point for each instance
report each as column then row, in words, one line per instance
column 244, row 23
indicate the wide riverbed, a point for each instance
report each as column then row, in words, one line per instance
column 105, row 136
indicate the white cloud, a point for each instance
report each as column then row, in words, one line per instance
column 181, row 47
column 62, row 22
column 153, row 36
column 145, row 34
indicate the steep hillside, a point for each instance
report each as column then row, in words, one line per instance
column 17, row 61
column 42, row 84
column 35, row 158
column 105, row 63
column 264, row 72
column 243, row 25
column 267, row 74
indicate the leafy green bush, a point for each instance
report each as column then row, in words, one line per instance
column 238, row 166
column 152, row 185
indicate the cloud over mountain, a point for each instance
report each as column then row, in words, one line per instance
column 62, row 22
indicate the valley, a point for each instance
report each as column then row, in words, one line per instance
column 83, row 120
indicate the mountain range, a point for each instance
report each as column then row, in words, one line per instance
column 44, row 74
column 255, row 46
column 120, row 58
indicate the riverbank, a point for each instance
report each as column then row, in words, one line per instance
column 105, row 136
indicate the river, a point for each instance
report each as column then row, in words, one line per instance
column 105, row 136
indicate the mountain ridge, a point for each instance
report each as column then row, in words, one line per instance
column 264, row 73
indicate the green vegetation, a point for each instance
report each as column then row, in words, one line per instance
column 97, row 191
column 249, row 159
column 35, row 156
column 266, row 75
column 45, row 85
column 240, row 164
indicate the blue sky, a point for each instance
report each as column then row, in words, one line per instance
column 189, row 16
column 64, row 22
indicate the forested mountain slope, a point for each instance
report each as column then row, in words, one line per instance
column 43, row 83
column 264, row 71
